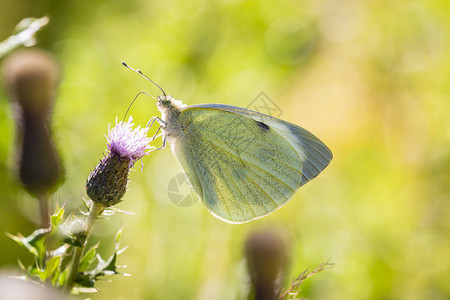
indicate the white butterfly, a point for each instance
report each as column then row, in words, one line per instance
column 242, row 163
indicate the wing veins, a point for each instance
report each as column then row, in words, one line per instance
column 276, row 204
column 246, row 162
column 246, row 202
column 217, row 190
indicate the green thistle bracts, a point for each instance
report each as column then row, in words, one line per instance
column 107, row 184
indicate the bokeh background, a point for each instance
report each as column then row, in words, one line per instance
column 370, row 78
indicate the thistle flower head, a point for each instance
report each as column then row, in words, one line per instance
column 128, row 143
column 107, row 183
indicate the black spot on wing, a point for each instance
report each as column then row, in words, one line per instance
column 262, row 125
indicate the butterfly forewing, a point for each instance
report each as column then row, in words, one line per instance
column 314, row 154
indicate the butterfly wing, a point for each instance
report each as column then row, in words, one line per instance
column 244, row 164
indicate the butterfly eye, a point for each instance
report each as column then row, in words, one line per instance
column 166, row 102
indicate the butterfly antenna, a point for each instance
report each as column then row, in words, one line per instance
column 143, row 75
column 133, row 102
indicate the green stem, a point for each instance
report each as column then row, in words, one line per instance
column 44, row 210
column 96, row 210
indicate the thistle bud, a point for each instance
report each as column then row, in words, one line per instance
column 31, row 77
column 107, row 184
column 266, row 259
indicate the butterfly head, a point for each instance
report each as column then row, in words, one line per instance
column 168, row 103
column 164, row 101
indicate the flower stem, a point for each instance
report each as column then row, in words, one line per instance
column 44, row 210
column 95, row 211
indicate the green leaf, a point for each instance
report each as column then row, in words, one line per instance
column 34, row 243
column 22, row 241
column 103, row 268
column 88, row 258
column 66, row 259
column 110, row 264
column 119, row 233
column 62, row 278
column 35, row 271
column 52, row 269
column 55, row 277
column 56, row 219
column 56, row 270
column 86, row 280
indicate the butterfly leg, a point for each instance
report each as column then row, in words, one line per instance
column 162, row 147
column 160, row 121
column 156, row 135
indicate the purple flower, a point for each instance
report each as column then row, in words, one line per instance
column 107, row 184
column 128, row 143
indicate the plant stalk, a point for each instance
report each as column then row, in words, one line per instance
column 95, row 211
column 44, row 210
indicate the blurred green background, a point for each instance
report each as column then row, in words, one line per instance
column 370, row 78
